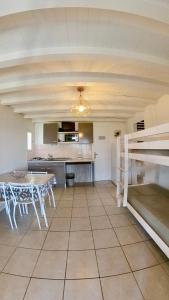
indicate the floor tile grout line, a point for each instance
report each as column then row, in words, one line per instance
column 128, row 262
column 118, row 226
column 40, row 251
column 144, row 239
column 64, row 284
column 9, row 259
column 36, row 261
column 75, row 279
column 15, row 248
column 161, row 264
column 26, row 289
column 129, row 266
column 88, row 249
column 96, row 259
column 138, row 286
column 122, row 249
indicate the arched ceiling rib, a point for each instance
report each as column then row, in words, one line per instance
column 119, row 53
column 152, row 9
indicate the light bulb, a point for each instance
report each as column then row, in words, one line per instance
column 81, row 108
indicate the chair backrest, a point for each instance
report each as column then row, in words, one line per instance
column 5, row 192
column 2, row 191
column 22, row 192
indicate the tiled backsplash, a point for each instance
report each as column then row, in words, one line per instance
column 62, row 150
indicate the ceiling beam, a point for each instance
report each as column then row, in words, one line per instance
column 58, row 108
column 69, row 115
column 138, row 8
column 41, row 55
column 71, row 78
column 20, row 99
column 75, row 119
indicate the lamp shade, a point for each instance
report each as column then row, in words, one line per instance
column 81, row 107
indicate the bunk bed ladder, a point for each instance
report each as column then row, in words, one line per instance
column 122, row 172
column 126, row 164
column 118, row 189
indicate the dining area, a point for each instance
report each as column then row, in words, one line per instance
column 23, row 192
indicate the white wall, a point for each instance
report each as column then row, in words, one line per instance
column 13, row 143
column 158, row 113
column 153, row 115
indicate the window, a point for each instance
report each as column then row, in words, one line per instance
column 29, row 140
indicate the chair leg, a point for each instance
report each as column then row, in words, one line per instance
column 14, row 210
column 26, row 208
column 23, row 209
column 42, row 207
column 20, row 210
column 53, row 197
column 44, row 215
column 41, row 201
column 9, row 215
column 36, row 214
column 49, row 197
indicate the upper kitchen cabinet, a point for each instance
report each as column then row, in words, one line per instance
column 85, row 133
column 50, row 133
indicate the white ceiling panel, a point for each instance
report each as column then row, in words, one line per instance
column 119, row 53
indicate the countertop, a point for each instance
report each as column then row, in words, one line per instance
column 77, row 160
column 80, row 160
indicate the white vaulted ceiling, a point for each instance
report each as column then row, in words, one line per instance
column 117, row 50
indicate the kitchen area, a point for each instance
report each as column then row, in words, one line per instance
column 63, row 149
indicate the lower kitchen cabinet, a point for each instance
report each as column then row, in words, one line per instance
column 56, row 168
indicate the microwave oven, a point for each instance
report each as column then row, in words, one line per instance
column 71, row 137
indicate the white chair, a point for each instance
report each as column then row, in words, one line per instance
column 5, row 199
column 24, row 195
column 46, row 190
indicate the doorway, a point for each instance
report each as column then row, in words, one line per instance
column 102, row 150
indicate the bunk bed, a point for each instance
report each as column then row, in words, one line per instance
column 148, row 201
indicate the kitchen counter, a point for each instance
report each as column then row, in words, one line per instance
column 78, row 160
column 60, row 167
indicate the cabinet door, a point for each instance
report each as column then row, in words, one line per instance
column 58, row 169
column 36, row 167
column 85, row 133
column 60, row 174
column 50, row 132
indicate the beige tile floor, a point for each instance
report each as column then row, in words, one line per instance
column 92, row 250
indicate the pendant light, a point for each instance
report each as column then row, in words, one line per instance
column 81, row 108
